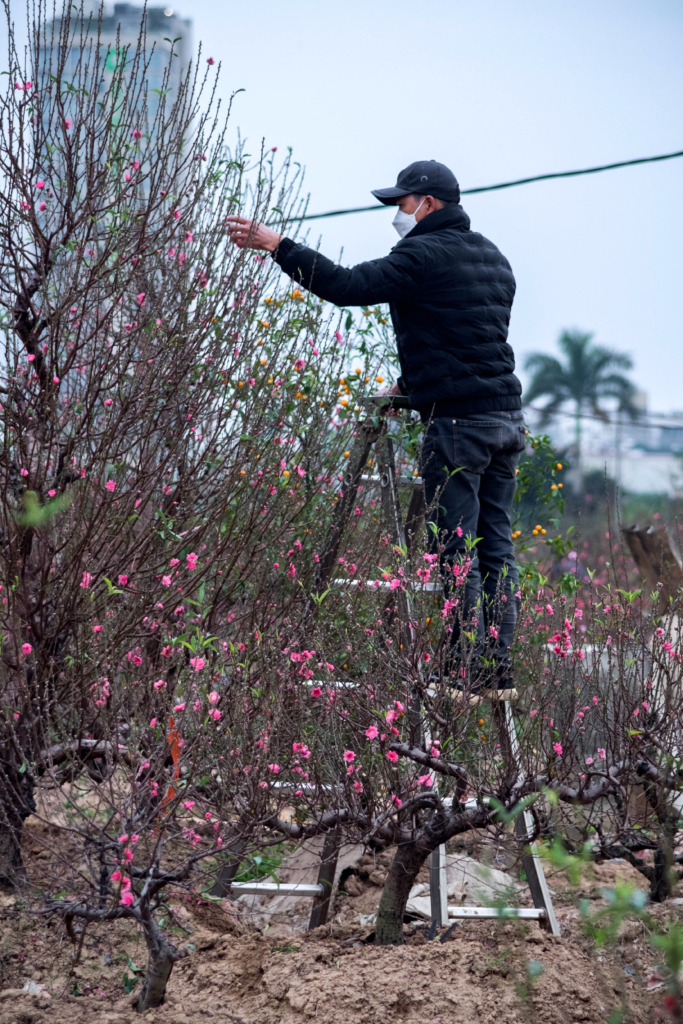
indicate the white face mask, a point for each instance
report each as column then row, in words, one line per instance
column 405, row 222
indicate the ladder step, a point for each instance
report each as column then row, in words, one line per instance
column 522, row 913
column 342, row 684
column 374, row 478
column 275, row 889
column 386, row 585
column 287, row 786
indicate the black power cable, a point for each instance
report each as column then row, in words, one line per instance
column 512, row 184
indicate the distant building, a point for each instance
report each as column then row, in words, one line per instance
column 644, row 455
column 161, row 25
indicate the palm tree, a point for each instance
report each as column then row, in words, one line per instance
column 586, row 378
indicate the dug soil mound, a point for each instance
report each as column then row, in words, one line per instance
column 253, row 962
column 485, row 971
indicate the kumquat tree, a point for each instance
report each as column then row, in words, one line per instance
column 212, row 643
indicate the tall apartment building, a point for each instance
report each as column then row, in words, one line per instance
column 121, row 29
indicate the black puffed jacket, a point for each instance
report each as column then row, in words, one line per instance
column 450, row 293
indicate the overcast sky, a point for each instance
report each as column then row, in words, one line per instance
column 496, row 91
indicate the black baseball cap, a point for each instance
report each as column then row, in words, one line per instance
column 427, row 178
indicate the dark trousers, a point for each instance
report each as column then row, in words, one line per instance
column 468, row 468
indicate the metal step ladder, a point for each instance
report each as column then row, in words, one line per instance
column 372, row 434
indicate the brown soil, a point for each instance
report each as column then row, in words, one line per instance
column 481, row 973
column 279, row 974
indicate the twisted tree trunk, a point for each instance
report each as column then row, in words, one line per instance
column 12, row 870
column 15, row 805
column 412, row 850
column 664, row 875
column 159, row 966
column 404, row 870
column 161, row 955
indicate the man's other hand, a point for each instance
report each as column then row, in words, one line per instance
column 393, row 390
column 249, row 234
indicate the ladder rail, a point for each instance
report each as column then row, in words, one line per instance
column 524, row 828
column 369, row 431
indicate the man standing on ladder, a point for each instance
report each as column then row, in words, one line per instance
column 450, row 293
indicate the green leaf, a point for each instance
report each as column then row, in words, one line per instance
column 133, row 966
column 509, row 816
column 37, row 515
column 111, row 589
column 128, row 982
column 558, row 857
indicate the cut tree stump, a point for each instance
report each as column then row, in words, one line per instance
column 655, row 553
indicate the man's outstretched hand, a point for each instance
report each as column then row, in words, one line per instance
column 249, row 234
